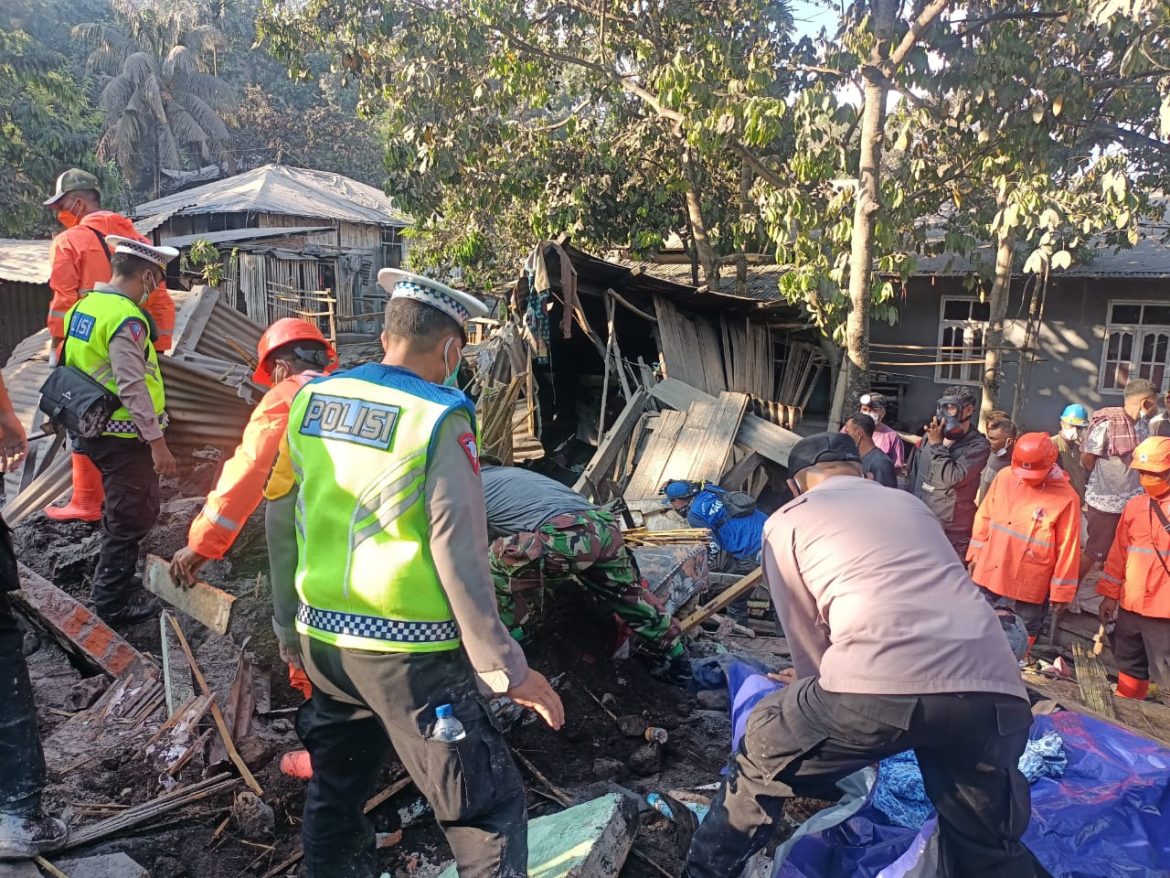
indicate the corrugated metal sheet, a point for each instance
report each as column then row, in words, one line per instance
column 24, row 261
column 286, row 190
column 22, row 312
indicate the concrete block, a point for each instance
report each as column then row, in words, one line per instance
column 18, row 869
column 103, row 866
column 590, row 840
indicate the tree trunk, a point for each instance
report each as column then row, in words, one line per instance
column 866, row 202
column 708, row 261
column 1005, row 251
column 1031, row 339
column 745, row 194
column 837, row 380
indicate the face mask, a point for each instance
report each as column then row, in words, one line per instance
column 1153, row 484
column 1002, row 453
column 67, row 218
column 1070, row 433
column 876, row 415
column 452, row 378
column 953, row 425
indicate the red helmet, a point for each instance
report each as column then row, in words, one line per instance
column 283, row 332
column 1033, row 456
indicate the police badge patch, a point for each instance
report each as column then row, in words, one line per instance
column 471, row 449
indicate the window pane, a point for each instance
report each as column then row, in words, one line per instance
column 981, row 311
column 957, row 309
column 1126, row 314
column 1156, row 315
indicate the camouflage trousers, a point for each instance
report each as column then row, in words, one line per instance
column 588, row 547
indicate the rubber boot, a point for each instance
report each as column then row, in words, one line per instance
column 1132, row 687
column 297, row 764
column 86, row 503
column 299, row 680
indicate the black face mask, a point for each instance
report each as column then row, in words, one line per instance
column 954, row 425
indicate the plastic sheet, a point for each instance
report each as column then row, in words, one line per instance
column 1107, row 817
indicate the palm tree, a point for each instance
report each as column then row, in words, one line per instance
column 161, row 107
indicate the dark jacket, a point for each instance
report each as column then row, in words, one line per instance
column 946, row 479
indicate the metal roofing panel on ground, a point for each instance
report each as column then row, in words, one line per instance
column 24, row 261
column 284, row 190
column 238, row 235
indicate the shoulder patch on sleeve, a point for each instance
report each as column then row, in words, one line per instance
column 471, row 449
column 137, row 329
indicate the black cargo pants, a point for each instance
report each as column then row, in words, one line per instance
column 132, row 505
column 801, row 740
column 22, row 763
column 363, row 704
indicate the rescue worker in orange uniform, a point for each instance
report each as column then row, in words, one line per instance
column 291, row 353
column 1026, row 544
column 1137, row 575
column 80, row 260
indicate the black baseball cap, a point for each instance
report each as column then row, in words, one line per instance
column 821, row 448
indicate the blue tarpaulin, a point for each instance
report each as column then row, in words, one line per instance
column 1107, row 817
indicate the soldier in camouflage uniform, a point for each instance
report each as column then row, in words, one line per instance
column 545, row 533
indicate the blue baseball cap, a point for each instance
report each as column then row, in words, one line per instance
column 679, row 489
column 1075, row 414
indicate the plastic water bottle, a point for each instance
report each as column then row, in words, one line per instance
column 447, row 727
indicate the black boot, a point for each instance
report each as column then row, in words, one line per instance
column 22, row 838
column 139, row 607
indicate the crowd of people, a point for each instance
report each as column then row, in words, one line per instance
column 404, row 570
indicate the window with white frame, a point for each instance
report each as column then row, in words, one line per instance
column 962, row 334
column 1137, row 344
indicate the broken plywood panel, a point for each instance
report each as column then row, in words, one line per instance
column 608, row 453
column 648, row 476
column 204, row 603
column 704, row 444
column 590, row 840
column 76, row 628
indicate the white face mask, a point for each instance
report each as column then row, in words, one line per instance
column 877, row 415
column 1002, row 453
column 1070, row 433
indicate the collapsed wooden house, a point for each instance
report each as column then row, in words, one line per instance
column 592, row 350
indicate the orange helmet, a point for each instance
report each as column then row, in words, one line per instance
column 1152, row 455
column 1033, row 456
column 284, row 332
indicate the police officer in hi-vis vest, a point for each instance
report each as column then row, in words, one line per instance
column 397, row 612
column 108, row 337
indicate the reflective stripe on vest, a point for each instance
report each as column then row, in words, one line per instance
column 359, row 442
column 91, row 324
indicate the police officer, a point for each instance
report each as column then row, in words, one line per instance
column 108, row 338
column 397, row 613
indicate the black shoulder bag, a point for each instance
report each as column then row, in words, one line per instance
column 1156, row 507
column 76, row 401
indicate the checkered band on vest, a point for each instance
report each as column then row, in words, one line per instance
column 392, row 630
column 418, row 291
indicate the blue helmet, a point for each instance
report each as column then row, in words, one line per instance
column 679, row 489
column 1075, row 414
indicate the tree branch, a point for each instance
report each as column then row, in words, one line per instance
column 756, row 164
column 917, row 27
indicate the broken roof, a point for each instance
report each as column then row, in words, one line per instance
column 25, row 262
column 232, row 236
column 284, row 190
column 763, row 279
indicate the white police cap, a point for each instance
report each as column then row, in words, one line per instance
column 160, row 256
column 457, row 305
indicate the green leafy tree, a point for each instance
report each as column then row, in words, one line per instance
column 161, row 108
column 513, row 121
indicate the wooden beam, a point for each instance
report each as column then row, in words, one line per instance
column 708, row 610
column 741, row 472
column 771, row 441
column 76, row 628
column 613, row 442
column 206, row 604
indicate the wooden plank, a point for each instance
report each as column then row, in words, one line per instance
column 713, row 451
column 1095, row 689
column 771, row 441
column 206, row 604
column 613, row 442
column 709, row 609
column 737, row 476
column 76, row 628
column 648, row 475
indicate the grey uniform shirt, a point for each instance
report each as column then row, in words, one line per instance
column 520, row 501
column 880, row 610
column 128, row 362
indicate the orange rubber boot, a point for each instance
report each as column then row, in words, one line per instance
column 297, row 764
column 299, row 680
column 1132, row 687
column 88, row 495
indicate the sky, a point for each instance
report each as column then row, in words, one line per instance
column 812, row 15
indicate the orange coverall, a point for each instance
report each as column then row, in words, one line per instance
column 78, row 263
column 1026, row 543
column 1133, row 574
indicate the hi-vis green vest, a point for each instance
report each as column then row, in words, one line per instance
column 359, row 442
column 91, row 323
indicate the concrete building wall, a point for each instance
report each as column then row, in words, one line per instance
column 1068, row 355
